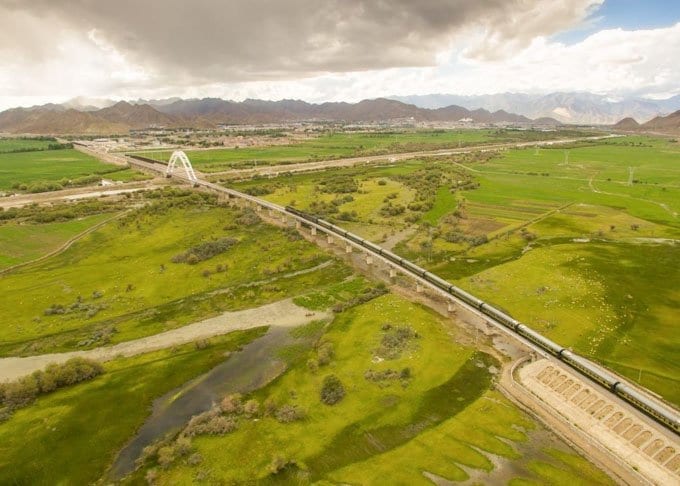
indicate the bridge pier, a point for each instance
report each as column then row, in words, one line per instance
column 419, row 288
column 298, row 224
column 313, row 230
column 329, row 239
column 369, row 259
column 450, row 307
column 271, row 212
column 348, row 248
column 258, row 208
column 393, row 272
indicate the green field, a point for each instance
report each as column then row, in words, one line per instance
column 122, row 277
column 71, row 436
column 30, row 170
column 20, row 242
column 382, row 431
column 341, row 145
column 581, row 243
column 501, row 224
column 24, row 144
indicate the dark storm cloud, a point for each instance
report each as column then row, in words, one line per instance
column 212, row 40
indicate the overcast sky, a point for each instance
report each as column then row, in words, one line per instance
column 334, row 50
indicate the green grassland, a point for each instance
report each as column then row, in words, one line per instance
column 121, row 279
column 342, row 144
column 21, row 242
column 443, row 417
column 71, row 436
column 510, row 236
column 615, row 302
column 24, row 144
column 49, row 166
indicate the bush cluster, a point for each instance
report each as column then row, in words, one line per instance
column 247, row 218
column 323, row 354
column 394, row 341
column 455, row 236
column 211, row 422
column 22, row 392
column 60, row 212
column 339, row 184
column 204, row 251
column 382, row 378
column 90, row 310
column 369, row 293
column 262, row 190
column 289, row 413
column 389, row 209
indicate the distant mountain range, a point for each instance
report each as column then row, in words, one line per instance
column 580, row 108
column 669, row 124
column 87, row 116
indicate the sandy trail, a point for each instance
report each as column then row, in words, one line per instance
column 283, row 313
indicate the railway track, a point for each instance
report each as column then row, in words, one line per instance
column 648, row 405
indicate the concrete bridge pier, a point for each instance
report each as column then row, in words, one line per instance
column 393, row 272
column 271, row 212
column 329, row 239
column 419, row 288
column 451, row 308
column 298, row 224
column 369, row 259
column 313, row 230
column 348, row 248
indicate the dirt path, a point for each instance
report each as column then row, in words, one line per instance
column 65, row 246
column 663, row 206
column 283, row 313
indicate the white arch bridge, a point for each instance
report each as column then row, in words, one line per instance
column 179, row 155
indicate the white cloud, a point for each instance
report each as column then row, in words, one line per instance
column 498, row 50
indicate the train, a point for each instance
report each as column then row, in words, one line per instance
column 582, row 365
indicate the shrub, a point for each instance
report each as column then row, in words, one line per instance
column 394, row 341
column 313, row 365
column 211, row 423
column 151, row 476
column 332, row 390
column 204, row 251
column 248, row 218
column 232, row 404
column 279, row 463
column 202, row 344
column 166, row 455
column 325, row 353
column 289, row 413
column 195, row 459
column 269, row 406
column 251, row 408
column 183, row 446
